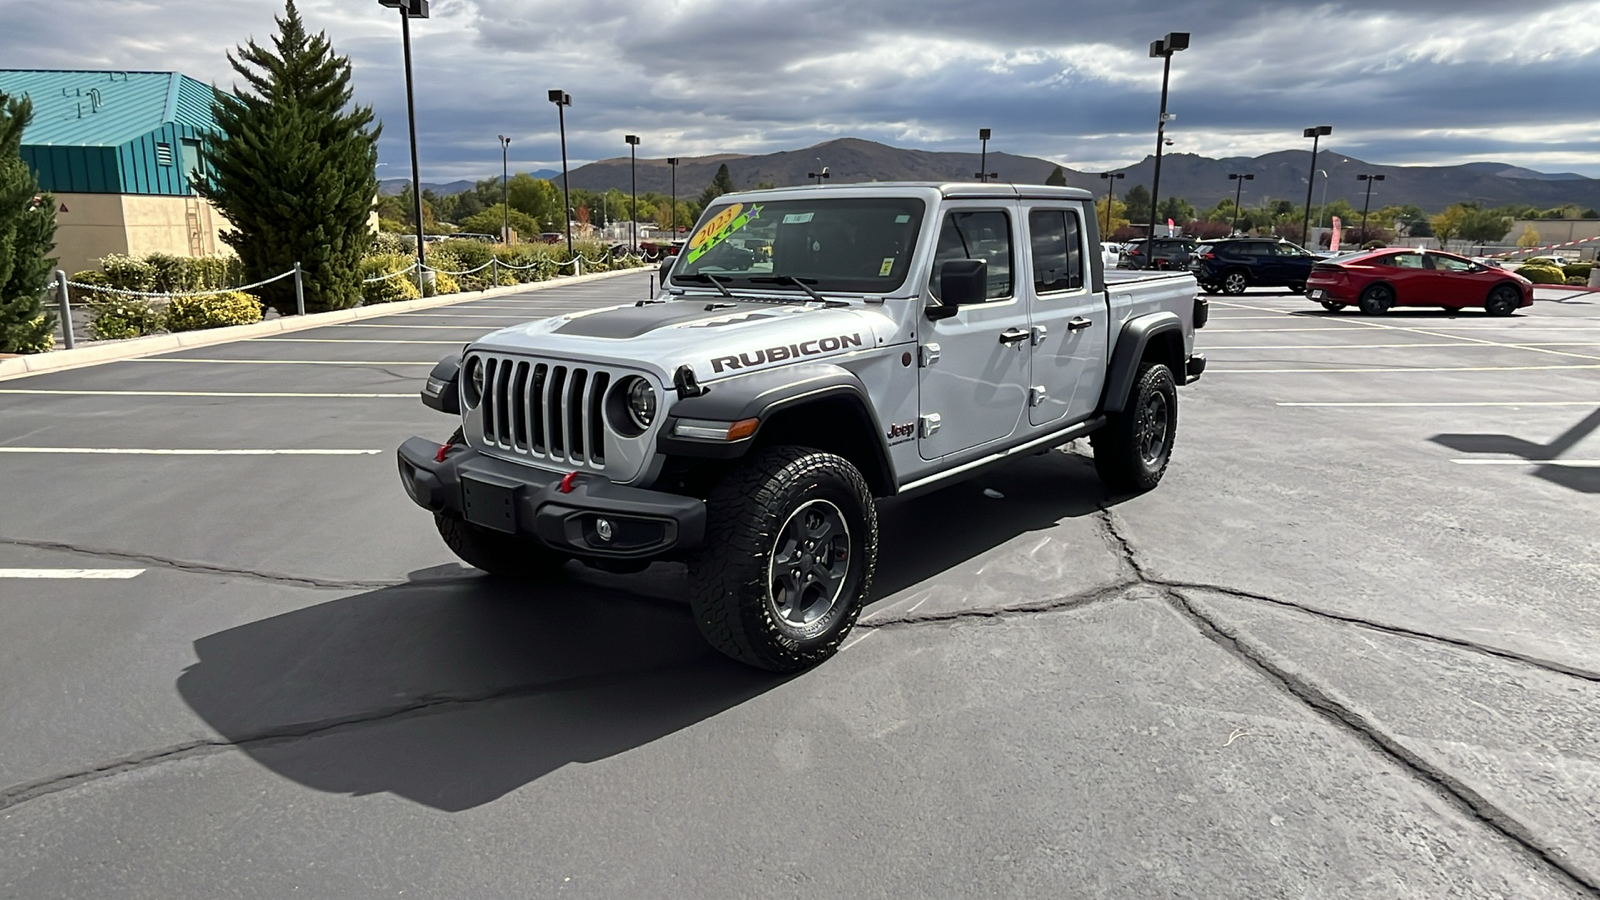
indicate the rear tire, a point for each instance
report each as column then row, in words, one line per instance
column 1132, row 451
column 1503, row 301
column 790, row 550
column 1210, row 288
column 1376, row 300
column 1331, row 306
column 1297, row 288
column 1235, row 282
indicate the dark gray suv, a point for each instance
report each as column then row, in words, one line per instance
column 1161, row 253
column 1230, row 265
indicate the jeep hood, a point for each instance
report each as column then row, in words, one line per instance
column 716, row 337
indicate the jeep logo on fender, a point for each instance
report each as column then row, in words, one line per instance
column 779, row 354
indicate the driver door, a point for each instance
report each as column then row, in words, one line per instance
column 973, row 371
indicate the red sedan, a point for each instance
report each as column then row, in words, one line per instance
column 1399, row 276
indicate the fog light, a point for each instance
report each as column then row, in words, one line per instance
column 602, row 528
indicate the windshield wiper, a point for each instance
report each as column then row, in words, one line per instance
column 708, row 278
column 803, row 284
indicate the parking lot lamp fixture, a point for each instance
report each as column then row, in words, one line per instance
column 412, row 9
column 1111, row 182
column 1164, row 48
column 633, row 175
column 672, row 161
column 983, row 174
column 562, row 100
column 1369, row 179
column 1238, row 191
column 820, row 174
column 505, row 191
column 1315, row 134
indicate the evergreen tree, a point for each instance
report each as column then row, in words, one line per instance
column 293, row 167
column 1057, row 178
column 721, row 183
column 27, row 234
column 1138, row 200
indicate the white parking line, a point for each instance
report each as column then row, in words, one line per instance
column 350, row 341
column 1347, row 346
column 283, row 362
column 435, row 327
column 410, row 396
column 1394, row 369
column 1574, row 463
column 144, row 451
column 71, row 573
column 466, row 316
column 1595, row 403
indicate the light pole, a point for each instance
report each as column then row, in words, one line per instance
column 819, row 175
column 633, row 174
column 1315, row 134
column 412, row 9
column 1164, row 48
column 673, row 162
column 1369, row 179
column 562, row 100
column 1111, row 182
column 505, row 190
column 1238, row 191
column 983, row 174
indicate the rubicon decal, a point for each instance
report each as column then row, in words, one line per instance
column 779, row 354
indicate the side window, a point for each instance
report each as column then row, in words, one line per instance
column 1449, row 263
column 1057, row 250
column 981, row 235
column 1406, row 261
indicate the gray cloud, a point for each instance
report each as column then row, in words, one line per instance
column 1402, row 83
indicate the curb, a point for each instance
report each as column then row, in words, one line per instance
column 133, row 348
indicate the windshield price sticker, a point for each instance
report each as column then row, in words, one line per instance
column 719, row 228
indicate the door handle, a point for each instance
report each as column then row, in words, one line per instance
column 1078, row 323
column 1014, row 336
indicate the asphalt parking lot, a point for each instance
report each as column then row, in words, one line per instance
column 1349, row 648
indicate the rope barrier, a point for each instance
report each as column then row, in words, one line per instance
column 406, row 271
column 175, row 294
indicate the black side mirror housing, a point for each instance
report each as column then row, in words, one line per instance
column 666, row 266
column 442, row 391
column 962, row 282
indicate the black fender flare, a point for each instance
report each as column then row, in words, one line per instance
column 769, row 394
column 442, row 390
column 1134, row 339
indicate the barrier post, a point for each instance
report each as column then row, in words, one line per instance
column 494, row 271
column 66, row 308
column 299, row 291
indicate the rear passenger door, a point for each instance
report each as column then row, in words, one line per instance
column 1067, row 317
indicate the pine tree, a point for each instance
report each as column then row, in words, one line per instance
column 27, row 234
column 721, row 183
column 293, row 167
column 1057, row 178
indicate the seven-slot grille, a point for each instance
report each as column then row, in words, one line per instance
column 545, row 410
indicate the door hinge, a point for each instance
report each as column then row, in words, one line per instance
column 1036, row 395
column 1039, row 334
column 928, row 354
column 930, row 424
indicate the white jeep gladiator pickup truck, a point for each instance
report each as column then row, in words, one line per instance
column 811, row 350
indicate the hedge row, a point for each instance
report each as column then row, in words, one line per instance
column 116, row 316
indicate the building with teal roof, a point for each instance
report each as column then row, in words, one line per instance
column 120, row 151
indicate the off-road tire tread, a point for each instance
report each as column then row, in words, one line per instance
column 1116, row 451
column 723, row 598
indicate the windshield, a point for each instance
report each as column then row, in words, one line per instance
column 828, row 244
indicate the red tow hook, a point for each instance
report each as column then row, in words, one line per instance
column 566, row 482
column 444, row 450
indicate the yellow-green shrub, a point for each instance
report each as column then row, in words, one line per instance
column 115, row 317
column 1542, row 274
column 212, row 311
column 389, row 290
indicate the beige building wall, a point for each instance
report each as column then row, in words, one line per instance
column 95, row 225
column 1555, row 231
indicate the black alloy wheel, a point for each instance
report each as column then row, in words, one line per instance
column 1377, row 299
column 1503, row 300
column 1133, row 448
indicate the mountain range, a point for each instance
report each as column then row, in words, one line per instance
column 1200, row 180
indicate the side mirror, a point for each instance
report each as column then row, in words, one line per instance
column 666, row 266
column 442, row 390
column 962, row 282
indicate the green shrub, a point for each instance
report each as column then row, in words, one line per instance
column 391, row 242
column 443, row 262
column 470, row 255
column 1542, row 274
column 127, row 273
column 88, row 276
column 540, row 258
column 1573, row 279
column 389, row 290
column 171, row 274
column 212, row 311
column 1374, row 245
column 1578, row 270
column 115, row 317
column 34, row 336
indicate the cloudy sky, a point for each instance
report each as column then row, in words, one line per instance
column 1414, row 82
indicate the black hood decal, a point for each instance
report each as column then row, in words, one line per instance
column 633, row 321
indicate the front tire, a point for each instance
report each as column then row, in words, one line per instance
column 1132, row 451
column 1235, row 282
column 495, row 552
column 1297, row 288
column 1503, row 301
column 791, row 547
column 1210, row 287
column 1376, row 300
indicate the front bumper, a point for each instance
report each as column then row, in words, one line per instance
column 594, row 517
column 1193, row 369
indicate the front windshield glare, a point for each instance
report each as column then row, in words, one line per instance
column 859, row 246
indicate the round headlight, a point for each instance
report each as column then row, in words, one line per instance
column 474, row 382
column 641, row 403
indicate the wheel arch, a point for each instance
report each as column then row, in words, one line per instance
column 1154, row 337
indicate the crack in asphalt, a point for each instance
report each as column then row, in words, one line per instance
column 192, row 566
column 421, row 706
column 1319, row 701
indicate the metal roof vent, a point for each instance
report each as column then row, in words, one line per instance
column 164, row 154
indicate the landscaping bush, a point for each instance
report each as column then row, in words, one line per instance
column 1578, row 270
column 537, row 256
column 1573, row 279
column 88, row 276
column 1542, row 274
column 35, row 336
column 471, row 255
column 127, row 273
column 212, row 311
column 443, row 262
column 115, row 317
column 389, row 290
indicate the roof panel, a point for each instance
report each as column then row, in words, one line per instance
column 105, row 109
